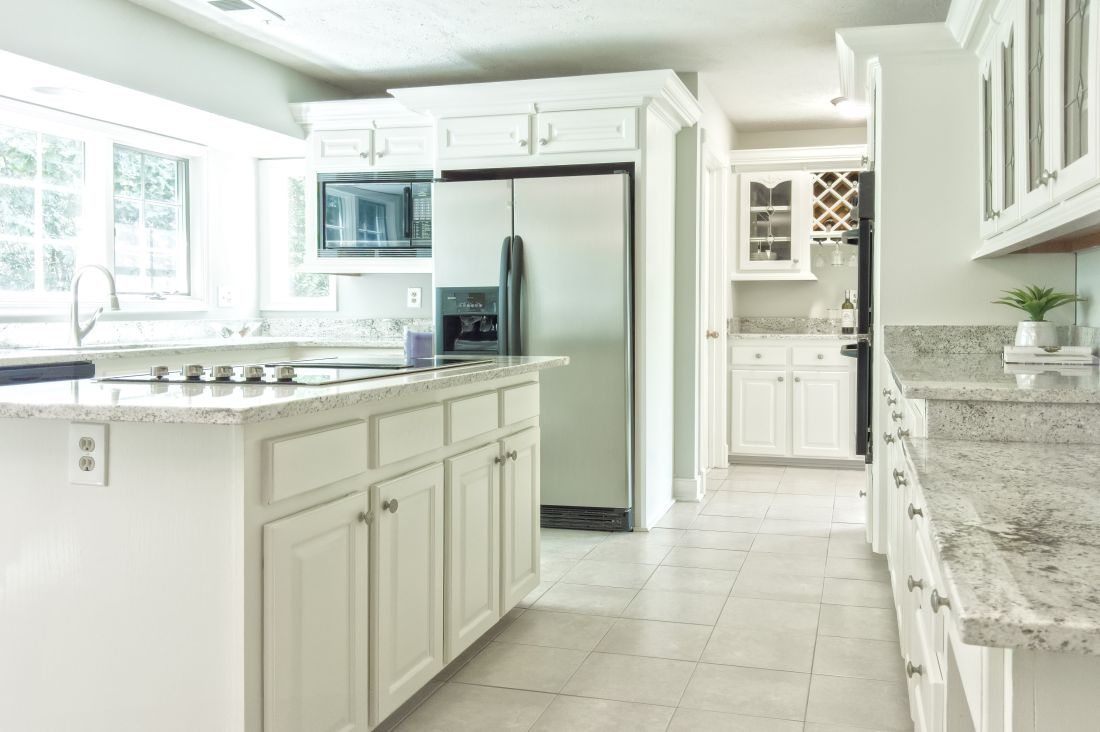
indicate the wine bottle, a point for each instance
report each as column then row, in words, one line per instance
column 848, row 314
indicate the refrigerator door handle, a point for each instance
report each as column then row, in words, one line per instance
column 515, row 279
column 502, row 296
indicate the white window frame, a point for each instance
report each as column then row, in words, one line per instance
column 271, row 175
column 99, row 139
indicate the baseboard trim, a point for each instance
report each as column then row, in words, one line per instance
column 798, row 462
column 689, row 489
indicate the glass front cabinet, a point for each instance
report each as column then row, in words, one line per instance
column 774, row 226
column 1037, row 90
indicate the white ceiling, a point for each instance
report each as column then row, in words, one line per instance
column 770, row 63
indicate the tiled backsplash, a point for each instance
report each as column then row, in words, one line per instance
column 371, row 331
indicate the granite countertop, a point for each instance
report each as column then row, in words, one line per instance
column 238, row 404
column 790, row 337
column 1017, row 530
column 984, row 377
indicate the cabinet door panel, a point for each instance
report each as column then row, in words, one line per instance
column 403, row 146
column 349, row 149
column 477, row 137
column 316, row 573
column 1074, row 136
column 407, row 590
column 472, row 597
column 588, row 130
column 774, row 233
column 758, row 411
column 822, row 414
column 520, row 499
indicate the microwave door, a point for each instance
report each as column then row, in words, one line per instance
column 367, row 216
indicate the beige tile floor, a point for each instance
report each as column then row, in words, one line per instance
column 761, row 609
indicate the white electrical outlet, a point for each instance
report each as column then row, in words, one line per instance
column 87, row 452
column 412, row 298
column 225, row 296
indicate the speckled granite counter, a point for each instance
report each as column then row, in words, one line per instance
column 756, row 337
column 1017, row 530
column 984, row 377
column 237, row 404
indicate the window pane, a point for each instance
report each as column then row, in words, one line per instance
column 161, row 179
column 126, row 212
column 62, row 161
column 303, row 284
column 127, row 172
column 58, row 262
column 16, row 210
column 18, row 153
column 16, row 266
column 60, row 214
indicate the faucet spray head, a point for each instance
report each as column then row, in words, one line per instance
column 114, row 302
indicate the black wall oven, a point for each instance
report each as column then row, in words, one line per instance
column 383, row 214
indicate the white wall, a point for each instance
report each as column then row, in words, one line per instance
column 855, row 135
column 929, row 203
column 1088, row 286
column 808, row 299
column 119, row 42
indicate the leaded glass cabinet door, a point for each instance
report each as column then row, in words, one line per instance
column 1009, row 62
column 990, row 157
column 1074, row 136
column 774, row 225
column 1036, row 161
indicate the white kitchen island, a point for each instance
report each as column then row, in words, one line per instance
column 261, row 557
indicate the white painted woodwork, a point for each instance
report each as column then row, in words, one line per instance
column 404, row 147
column 793, row 263
column 521, row 519
column 758, row 355
column 473, row 547
column 341, row 149
column 821, row 422
column 501, row 135
column 316, row 580
column 759, row 418
column 401, row 435
column 824, row 354
column 302, row 462
column 406, row 587
column 587, row 130
column 519, row 403
column 472, row 416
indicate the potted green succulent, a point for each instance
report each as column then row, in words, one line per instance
column 1036, row 302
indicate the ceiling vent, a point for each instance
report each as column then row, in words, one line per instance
column 228, row 6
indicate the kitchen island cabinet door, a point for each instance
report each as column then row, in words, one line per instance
column 520, row 501
column 472, row 572
column 316, row 571
column 758, row 411
column 407, row 587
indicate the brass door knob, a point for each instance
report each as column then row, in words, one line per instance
column 712, row 334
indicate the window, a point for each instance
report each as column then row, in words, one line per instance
column 41, row 210
column 75, row 192
column 282, row 205
column 150, row 214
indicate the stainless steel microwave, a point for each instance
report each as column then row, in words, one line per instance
column 383, row 214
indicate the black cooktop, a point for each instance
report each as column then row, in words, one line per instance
column 395, row 363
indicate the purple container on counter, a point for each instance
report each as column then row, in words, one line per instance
column 417, row 345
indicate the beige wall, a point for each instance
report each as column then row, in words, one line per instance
column 855, row 135
column 1088, row 286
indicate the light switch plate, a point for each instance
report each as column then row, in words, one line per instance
column 412, row 298
column 87, row 453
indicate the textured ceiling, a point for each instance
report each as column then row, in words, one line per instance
column 770, row 63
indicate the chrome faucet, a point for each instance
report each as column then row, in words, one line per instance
column 82, row 329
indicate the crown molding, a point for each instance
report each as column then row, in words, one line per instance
column 847, row 157
column 661, row 90
column 857, row 47
column 384, row 112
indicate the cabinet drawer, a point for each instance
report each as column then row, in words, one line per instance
column 519, row 403
column 403, row 146
column 588, row 130
column 758, row 356
column 823, row 355
column 402, row 435
column 493, row 136
column 302, row 462
column 341, row 148
column 472, row 416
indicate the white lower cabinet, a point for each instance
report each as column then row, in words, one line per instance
column 407, row 591
column 473, row 528
column 521, row 516
column 316, row 575
column 822, row 414
column 759, row 416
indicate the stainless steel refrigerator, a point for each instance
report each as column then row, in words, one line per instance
column 542, row 266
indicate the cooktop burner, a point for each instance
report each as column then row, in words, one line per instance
column 307, row 372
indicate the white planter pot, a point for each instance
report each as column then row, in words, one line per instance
column 1038, row 333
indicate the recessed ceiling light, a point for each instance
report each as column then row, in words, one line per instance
column 56, row 91
column 849, row 109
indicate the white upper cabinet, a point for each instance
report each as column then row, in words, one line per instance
column 334, row 149
column 406, row 148
column 774, row 231
column 498, row 135
column 587, row 130
column 1039, row 134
